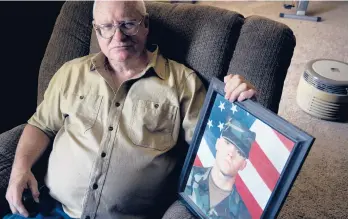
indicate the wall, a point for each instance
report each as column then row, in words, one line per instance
column 25, row 31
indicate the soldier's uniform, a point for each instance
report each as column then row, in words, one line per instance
column 199, row 182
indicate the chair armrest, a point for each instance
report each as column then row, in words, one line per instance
column 263, row 55
column 178, row 211
column 8, row 145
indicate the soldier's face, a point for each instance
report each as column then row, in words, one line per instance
column 228, row 158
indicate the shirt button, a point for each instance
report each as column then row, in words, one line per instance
column 117, row 104
column 95, row 186
column 87, row 217
column 111, row 128
column 156, row 105
column 103, row 154
column 81, row 97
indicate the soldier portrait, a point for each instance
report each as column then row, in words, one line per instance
column 213, row 188
column 241, row 161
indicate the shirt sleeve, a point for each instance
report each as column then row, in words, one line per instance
column 48, row 116
column 192, row 99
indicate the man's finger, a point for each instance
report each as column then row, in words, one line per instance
column 246, row 94
column 236, row 92
column 230, row 86
column 17, row 201
column 34, row 189
column 234, row 81
column 20, row 207
column 9, row 200
column 13, row 209
column 227, row 77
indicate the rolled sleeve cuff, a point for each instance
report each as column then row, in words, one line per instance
column 34, row 122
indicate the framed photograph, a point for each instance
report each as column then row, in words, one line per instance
column 242, row 161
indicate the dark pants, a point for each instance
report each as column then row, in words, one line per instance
column 48, row 209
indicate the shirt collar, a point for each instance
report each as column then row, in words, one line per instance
column 157, row 63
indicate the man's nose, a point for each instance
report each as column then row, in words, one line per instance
column 231, row 152
column 119, row 36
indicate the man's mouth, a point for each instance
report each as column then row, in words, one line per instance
column 228, row 160
column 123, row 46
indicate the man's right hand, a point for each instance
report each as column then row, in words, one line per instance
column 32, row 143
column 19, row 181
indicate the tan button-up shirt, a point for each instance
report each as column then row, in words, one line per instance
column 114, row 149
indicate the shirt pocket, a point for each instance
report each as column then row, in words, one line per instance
column 81, row 110
column 152, row 125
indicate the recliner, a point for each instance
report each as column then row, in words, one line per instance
column 211, row 41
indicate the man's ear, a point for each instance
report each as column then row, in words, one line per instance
column 243, row 165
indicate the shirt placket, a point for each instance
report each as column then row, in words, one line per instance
column 102, row 163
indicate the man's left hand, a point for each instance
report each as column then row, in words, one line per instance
column 237, row 88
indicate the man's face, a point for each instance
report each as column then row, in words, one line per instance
column 228, row 158
column 120, row 47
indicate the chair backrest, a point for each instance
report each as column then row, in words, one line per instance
column 262, row 55
column 209, row 40
column 70, row 39
column 201, row 37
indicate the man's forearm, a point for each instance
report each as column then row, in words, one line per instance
column 32, row 143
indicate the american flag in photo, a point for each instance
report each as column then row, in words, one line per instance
column 268, row 155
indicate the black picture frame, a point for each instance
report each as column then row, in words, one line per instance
column 302, row 143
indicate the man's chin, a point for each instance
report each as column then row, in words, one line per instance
column 226, row 174
column 121, row 55
column 121, row 58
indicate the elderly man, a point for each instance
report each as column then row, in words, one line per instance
column 213, row 189
column 116, row 120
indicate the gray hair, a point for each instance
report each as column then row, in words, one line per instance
column 139, row 6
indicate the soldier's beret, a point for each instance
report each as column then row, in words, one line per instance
column 239, row 135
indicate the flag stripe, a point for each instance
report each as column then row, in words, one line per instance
column 255, row 184
column 287, row 142
column 253, row 207
column 206, row 157
column 197, row 162
column 263, row 166
column 274, row 149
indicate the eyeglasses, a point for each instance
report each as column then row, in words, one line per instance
column 129, row 28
